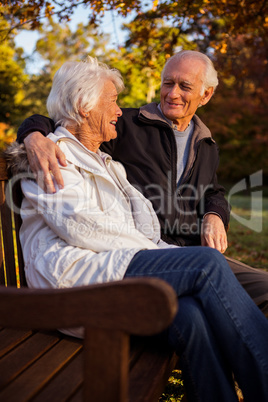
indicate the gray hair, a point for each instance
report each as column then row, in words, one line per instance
column 210, row 78
column 78, row 85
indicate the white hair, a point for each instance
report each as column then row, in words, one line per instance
column 78, row 85
column 210, row 78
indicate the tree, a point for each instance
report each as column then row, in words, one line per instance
column 58, row 44
column 12, row 78
column 207, row 20
column 150, row 43
column 212, row 26
column 22, row 95
column 32, row 12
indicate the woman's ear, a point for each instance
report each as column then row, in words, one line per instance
column 82, row 112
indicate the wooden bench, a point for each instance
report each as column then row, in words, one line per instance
column 120, row 359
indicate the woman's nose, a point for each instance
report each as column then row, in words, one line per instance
column 118, row 111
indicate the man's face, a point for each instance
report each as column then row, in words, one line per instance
column 181, row 89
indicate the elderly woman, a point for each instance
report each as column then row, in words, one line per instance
column 99, row 228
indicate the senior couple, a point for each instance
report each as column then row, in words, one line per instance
column 97, row 227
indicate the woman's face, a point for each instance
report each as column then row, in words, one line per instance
column 103, row 118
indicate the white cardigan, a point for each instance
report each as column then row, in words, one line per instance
column 89, row 231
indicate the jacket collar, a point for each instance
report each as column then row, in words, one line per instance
column 151, row 114
column 78, row 154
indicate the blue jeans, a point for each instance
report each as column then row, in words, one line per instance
column 218, row 331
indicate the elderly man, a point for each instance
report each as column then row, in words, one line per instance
column 170, row 156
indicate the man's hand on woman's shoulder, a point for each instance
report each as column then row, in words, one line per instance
column 44, row 155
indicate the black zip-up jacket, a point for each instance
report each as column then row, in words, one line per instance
column 146, row 146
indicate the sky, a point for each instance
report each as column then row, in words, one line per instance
column 27, row 39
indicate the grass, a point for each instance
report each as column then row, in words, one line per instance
column 246, row 245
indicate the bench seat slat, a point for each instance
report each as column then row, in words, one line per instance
column 65, row 384
column 10, row 338
column 77, row 397
column 31, row 381
column 25, row 354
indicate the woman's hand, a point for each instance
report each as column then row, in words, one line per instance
column 44, row 155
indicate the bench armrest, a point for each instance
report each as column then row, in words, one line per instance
column 143, row 306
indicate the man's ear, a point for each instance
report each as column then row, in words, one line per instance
column 206, row 97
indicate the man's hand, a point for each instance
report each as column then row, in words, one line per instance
column 213, row 233
column 43, row 155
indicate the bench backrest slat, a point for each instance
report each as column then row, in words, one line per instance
column 11, row 259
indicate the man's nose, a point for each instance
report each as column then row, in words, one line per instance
column 175, row 91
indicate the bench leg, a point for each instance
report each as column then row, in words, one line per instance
column 106, row 366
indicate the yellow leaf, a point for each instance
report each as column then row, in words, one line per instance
column 223, row 48
column 155, row 4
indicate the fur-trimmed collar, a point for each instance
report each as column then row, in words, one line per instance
column 16, row 158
